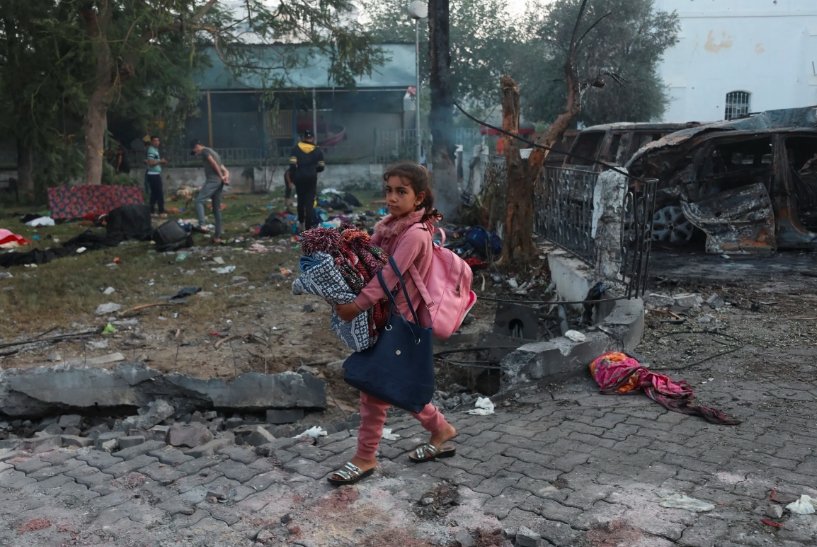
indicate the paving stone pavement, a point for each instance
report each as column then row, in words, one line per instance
column 562, row 465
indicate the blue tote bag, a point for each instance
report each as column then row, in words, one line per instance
column 399, row 368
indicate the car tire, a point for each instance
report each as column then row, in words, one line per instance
column 669, row 225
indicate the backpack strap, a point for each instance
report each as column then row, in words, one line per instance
column 402, row 285
column 419, row 282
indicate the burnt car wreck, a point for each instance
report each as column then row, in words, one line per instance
column 749, row 185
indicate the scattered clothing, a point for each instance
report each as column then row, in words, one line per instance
column 617, row 372
column 10, row 240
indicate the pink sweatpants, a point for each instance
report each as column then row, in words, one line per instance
column 373, row 416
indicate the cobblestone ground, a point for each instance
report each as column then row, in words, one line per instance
column 568, row 464
column 554, row 465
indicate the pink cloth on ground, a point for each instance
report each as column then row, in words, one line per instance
column 617, row 372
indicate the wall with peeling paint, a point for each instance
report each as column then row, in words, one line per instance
column 765, row 47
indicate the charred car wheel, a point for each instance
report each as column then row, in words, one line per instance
column 669, row 225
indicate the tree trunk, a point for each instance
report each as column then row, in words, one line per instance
column 442, row 150
column 95, row 121
column 517, row 245
column 25, row 171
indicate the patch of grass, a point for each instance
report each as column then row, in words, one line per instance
column 67, row 290
column 64, row 293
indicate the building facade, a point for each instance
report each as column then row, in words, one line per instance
column 734, row 57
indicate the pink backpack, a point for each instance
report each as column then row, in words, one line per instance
column 446, row 291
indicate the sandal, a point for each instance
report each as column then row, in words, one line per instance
column 348, row 474
column 427, row 452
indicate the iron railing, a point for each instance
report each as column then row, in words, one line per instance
column 636, row 235
column 564, row 210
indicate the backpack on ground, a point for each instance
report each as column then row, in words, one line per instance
column 446, row 290
column 273, row 226
column 171, row 236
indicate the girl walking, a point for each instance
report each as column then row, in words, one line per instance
column 410, row 202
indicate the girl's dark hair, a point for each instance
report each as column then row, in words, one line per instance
column 420, row 180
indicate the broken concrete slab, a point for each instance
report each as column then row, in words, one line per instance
column 58, row 389
column 258, row 391
column 190, row 435
column 619, row 326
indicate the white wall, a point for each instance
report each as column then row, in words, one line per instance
column 766, row 47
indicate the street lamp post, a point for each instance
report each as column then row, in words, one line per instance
column 417, row 10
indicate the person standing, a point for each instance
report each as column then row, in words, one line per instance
column 410, row 202
column 305, row 162
column 215, row 177
column 154, row 176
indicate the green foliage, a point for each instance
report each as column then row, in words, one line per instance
column 622, row 44
column 482, row 37
column 62, row 60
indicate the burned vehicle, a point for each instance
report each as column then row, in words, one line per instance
column 598, row 146
column 749, row 185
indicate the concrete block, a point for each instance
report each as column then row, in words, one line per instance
column 284, row 415
column 106, row 438
column 210, row 448
column 158, row 433
column 76, row 441
column 130, row 440
column 253, row 435
column 191, row 435
column 70, row 420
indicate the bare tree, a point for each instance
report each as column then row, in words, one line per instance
column 517, row 247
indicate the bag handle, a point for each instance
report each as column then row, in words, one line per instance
column 402, row 285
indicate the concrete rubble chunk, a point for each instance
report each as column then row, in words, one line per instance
column 153, row 414
column 158, row 433
column 70, row 420
column 190, row 435
column 105, row 439
column 688, row 300
column 46, row 390
column 257, row 391
column 715, row 301
column 210, row 448
column 42, row 443
column 130, row 440
column 108, row 307
column 284, row 415
column 525, row 537
column 253, row 435
column 76, row 441
column 656, row 300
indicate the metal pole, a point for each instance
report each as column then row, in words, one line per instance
column 314, row 116
column 417, row 89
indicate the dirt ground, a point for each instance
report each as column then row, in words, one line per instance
column 263, row 327
column 244, row 321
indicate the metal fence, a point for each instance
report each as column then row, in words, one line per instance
column 563, row 201
column 636, row 235
column 564, row 215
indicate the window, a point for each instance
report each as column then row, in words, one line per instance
column 737, row 105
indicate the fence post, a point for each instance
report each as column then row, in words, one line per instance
column 608, row 201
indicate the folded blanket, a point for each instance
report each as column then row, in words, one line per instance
column 320, row 276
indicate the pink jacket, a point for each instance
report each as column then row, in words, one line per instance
column 409, row 243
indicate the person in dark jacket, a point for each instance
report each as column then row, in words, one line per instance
column 305, row 162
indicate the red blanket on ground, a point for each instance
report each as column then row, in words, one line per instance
column 617, row 372
column 90, row 200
